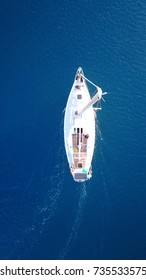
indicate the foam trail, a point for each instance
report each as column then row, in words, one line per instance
column 103, row 169
column 45, row 193
column 102, row 158
column 56, row 181
column 52, row 199
column 76, row 223
column 98, row 131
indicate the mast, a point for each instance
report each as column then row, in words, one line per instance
column 95, row 98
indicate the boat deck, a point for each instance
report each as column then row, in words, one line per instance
column 79, row 146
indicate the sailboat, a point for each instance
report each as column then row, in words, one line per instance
column 79, row 127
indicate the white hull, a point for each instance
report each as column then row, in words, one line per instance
column 79, row 130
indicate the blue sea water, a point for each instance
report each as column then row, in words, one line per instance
column 44, row 214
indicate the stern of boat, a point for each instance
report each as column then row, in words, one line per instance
column 81, row 175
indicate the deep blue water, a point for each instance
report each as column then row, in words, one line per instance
column 44, row 214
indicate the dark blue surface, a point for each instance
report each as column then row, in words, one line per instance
column 44, row 214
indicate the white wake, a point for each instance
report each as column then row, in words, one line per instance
column 76, row 223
